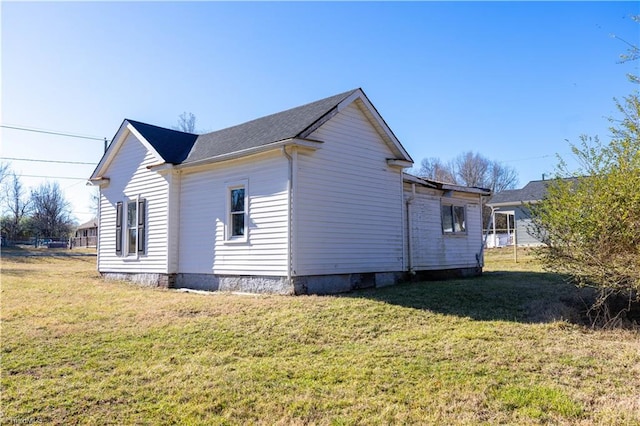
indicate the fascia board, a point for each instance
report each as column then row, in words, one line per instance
column 512, row 203
column 415, row 179
column 467, row 189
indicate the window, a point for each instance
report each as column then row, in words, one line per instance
column 237, row 208
column 453, row 219
column 132, row 226
column 133, row 237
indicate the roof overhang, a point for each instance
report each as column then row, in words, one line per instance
column 512, row 203
column 98, row 181
column 395, row 162
column 305, row 144
column 446, row 187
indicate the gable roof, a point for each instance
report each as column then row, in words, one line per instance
column 172, row 145
column 180, row 148
column 533, row 191
column 280, row 126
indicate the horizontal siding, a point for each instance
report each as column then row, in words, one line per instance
column 431, row 248
column 203, row 248
column 525, row 228
column 348, row 201
column 129, row 178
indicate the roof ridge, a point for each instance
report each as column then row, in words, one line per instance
column 134, row 122
column 342, row 95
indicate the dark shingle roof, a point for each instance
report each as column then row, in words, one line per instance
column 535, row 190
column 93, row 223
column 172, row 145
column 263, row 131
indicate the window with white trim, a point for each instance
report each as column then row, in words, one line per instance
column 453, row 219
column 131, row 240
column 237, row 205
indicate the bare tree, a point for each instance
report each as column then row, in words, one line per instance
column 432, row 168
column 186, row 122
column 472, row 169
column 5, row 171
column 51, row 216
column 17, row 206
column 502, row 177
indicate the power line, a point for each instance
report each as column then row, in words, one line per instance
column 51, row 132
column 54, row 177
column 46, row 161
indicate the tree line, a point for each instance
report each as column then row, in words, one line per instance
column 42, row 212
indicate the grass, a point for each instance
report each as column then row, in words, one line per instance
column 503, row 348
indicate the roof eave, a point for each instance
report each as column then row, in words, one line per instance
column 512, row 203
column 296, row 142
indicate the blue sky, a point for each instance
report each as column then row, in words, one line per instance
column 513, row 81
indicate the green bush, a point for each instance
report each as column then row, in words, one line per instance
column 590, row 220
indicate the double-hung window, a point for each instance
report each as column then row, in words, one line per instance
column 131, row 216
column 453, row 219
column 237, row 207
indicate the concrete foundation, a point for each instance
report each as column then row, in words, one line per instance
column 310, row 284
column 149, row 280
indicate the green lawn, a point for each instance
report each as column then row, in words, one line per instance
column 506, row 348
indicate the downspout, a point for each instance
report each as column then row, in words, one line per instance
column 409, row 227
column 290, row 215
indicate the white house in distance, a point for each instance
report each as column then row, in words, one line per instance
column 308, row 200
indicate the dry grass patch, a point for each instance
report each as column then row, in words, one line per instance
column 77, row 349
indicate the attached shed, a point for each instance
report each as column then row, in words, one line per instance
column 308, row 200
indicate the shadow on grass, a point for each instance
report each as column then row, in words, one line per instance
column 528, row 297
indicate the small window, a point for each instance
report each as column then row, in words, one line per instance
column 132, row 227
column 133, row 237
column 453, row 219
column 237, row 227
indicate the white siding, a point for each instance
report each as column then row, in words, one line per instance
column 203, row 204
column 431, row 248
column 347, row 201
column 130, row 178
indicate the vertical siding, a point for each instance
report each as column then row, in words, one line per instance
column 130, row 178
column 431, row 248
column 348, row 201
column 202, row 245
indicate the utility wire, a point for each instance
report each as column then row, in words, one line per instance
column 46, row 161
column 51, row 132
column 54, row 177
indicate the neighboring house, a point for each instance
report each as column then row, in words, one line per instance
column 86, row 234
column 308, row 200
column 515, row 203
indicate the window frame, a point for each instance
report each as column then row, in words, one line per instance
column 229, row 235
column 452, row 208
column 124, row 227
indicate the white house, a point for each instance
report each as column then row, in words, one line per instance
column 308, row 200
